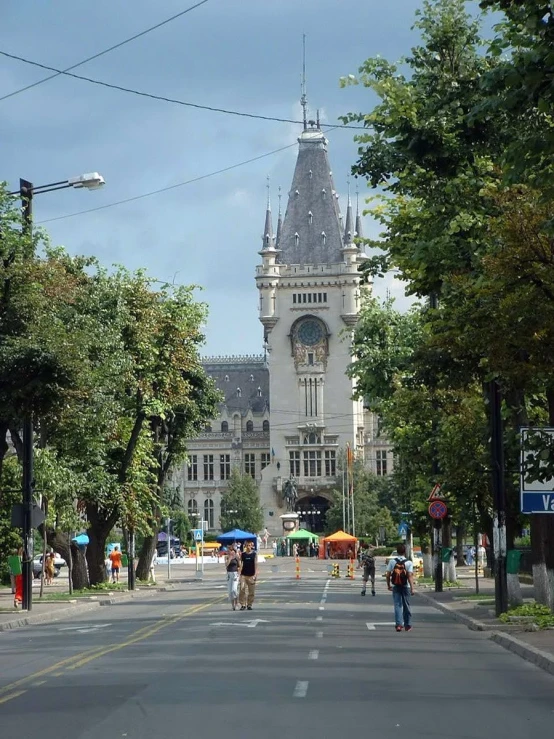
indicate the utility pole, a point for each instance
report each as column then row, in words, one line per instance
column 499, row 498
column 26, row 193
column 131, row 560
column 437, row 523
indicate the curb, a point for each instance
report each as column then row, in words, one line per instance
column 543, row 660
column 57, row 615
column 526, row 651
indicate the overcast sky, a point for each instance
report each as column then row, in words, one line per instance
column 243, row 55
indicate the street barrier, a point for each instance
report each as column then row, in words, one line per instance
column 336, row 570
column 297, row 567
column 350, row 570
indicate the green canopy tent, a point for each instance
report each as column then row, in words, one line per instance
column 303, row 534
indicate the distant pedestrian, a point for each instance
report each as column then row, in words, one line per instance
column 115, row 559
column 400, row 580
column 274, row 547
column 367, row 562
column 233, row 565
column 50, row 568
column 265, row 537
column 248, row 574
column 153, row 564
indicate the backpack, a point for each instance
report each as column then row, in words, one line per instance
column 368, row 561
column 399, row 574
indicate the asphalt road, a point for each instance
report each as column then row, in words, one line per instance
column 303, row 663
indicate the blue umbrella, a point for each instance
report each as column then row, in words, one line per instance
column 81, row 540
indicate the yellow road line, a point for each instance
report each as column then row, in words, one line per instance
column 77, row 660
column 7, row 698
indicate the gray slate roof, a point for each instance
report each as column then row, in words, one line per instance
column 244, row 373
column 311, row 231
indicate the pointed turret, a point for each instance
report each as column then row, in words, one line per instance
column 349, row 225
column 268, row 238
column 311, row 231
column 359, row 228
column 279, row 222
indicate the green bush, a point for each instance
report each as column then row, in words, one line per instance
column 540, row 613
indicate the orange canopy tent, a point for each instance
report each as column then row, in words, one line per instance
column 339, row 543
column 341, row 536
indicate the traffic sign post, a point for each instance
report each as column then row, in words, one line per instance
column 436, row 493
column 537, row 496
column 438, row 509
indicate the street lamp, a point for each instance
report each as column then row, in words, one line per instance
column 89, row 181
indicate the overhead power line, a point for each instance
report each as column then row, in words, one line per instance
column 58, row 72
column 163, row 98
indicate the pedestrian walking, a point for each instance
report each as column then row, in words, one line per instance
column 400, row 580
column 248, row 574
column 233, row 566
column 115, row 559
column 367, row 562
column 50, row 568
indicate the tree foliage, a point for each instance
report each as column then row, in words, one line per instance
column 240, row 508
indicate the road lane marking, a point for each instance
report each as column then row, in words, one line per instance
column 321, row 608
column 84, row 627
column 371, row 626
column 319, row 618
column 248, row 624
column 38, row 682
column 77, row 660
column 9, row 697
column 300, row 689
column 319, row 634
column 314, row 654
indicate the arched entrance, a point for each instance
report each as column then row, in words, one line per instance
column 312, row 511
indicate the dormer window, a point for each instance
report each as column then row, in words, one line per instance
column 297, row 193
column 251, row 378
column 311, row 174
column 310, row 217
column 324, row 192
column 259, row 392
column 323, row 237
column 238, row 392
column 226, row 378
column 296, row 239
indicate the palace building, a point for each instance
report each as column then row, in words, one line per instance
column 291, row 412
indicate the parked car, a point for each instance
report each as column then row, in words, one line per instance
column 37, row 565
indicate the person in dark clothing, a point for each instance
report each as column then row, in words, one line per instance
column 248, row 574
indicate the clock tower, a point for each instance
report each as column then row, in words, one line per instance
column 309, row 288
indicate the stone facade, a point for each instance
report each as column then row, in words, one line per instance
column 310, row 296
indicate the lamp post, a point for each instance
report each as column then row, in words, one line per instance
column 90, row 181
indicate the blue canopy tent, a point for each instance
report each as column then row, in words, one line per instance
column 81, row 540
column 230, row 537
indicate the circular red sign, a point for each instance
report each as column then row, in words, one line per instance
column 438, row 509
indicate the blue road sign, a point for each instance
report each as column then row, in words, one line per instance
column 403, row 529
column 197, row 533
column 537, row 502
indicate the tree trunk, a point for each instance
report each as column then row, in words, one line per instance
column 60, row 543
column 460, row 535
column 3, row 444
column 101, row 523
column 542, row 541
column 146, row 555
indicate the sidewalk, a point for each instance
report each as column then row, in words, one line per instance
column 534, row 646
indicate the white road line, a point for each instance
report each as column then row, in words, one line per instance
column 319, row 634
column 319, row 618
column 371, row 627
column 300, row 689
column 321, row 608
column 314, row 654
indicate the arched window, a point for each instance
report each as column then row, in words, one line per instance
column 209, row 512
column 224, row 426
column 250, row 426
column 265, row 426
column 312, row 438
column 192, row 508
column 239, row 393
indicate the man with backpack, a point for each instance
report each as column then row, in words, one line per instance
column 400, row 579
column 367, row 561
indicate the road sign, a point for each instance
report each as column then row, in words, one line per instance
column 537, row 496
column 18, row 514
column 403, row 529
column 436, row 493
column 198, row 534
column 438, row 509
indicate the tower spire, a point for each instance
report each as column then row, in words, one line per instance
column 268, row 239
column 303, row 98
column 359, row 229
column 279, row 220
column 349, row 226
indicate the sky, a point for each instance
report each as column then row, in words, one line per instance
column 243, row 55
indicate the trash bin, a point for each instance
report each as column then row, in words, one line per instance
column 512, row 562
column 124, row 561
column 446, row 554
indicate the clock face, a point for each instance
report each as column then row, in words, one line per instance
column 310, row 332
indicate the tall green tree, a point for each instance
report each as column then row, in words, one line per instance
column 241, row 507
